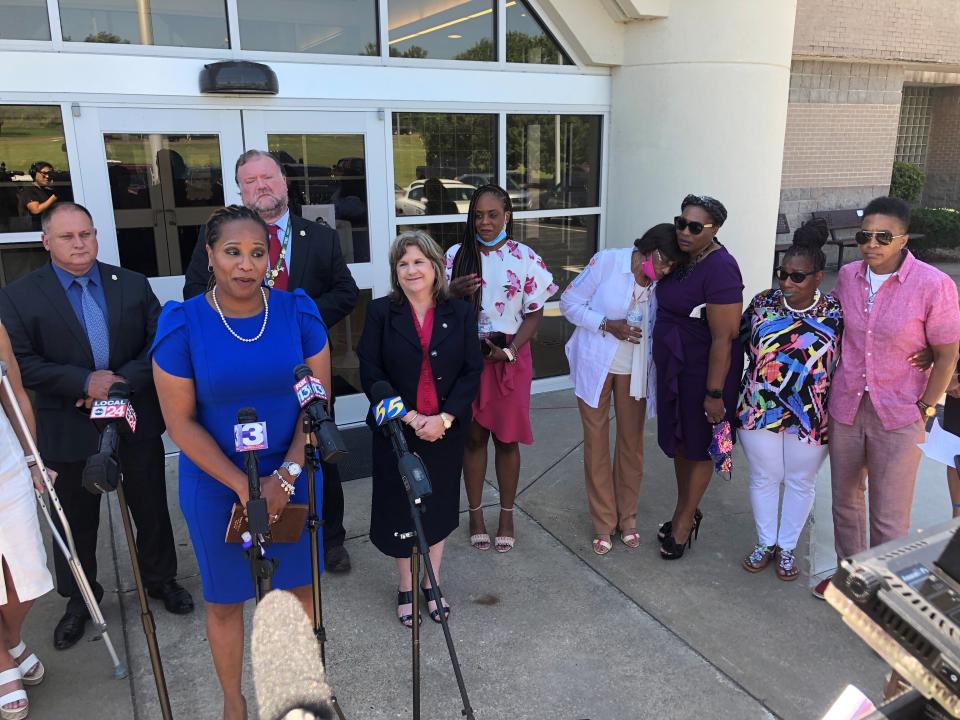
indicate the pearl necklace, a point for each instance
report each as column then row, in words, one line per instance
column 266, row 314
column 811, row 306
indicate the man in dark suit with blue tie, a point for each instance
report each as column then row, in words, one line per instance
column 78, row 326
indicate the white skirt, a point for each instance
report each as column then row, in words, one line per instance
column 21, row 545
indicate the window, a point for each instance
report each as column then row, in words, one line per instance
column 24, row 20
column 327, row 180
column 443, row 29
column 914, row 130
column 552, row 177
column 553, row 161
column 33, row 165
column 528, row 41
column 439, row 159
column 198, row 23
column 335, row 27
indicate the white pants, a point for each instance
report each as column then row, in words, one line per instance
column 781, row 458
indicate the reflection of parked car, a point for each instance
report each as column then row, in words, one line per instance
column 350, row 166
column 435, row 197
column 566, row 195
column 519, row 197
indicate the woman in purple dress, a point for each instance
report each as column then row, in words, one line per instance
column 699, row 360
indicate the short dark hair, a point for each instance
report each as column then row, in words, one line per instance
column 37, row 167
column 228, row 214
column 894, row 207
column 57, row 207
column 662, row 237
column 250, row 155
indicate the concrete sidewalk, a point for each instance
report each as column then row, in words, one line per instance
column 549, row 630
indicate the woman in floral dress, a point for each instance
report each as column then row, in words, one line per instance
column 508, row 285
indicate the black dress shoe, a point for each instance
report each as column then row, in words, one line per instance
column 175, row 597
column 69, row 630
column 337, row 559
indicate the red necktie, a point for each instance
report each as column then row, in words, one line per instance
column 280, row 281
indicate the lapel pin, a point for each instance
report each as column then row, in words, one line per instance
column 113, row 277
column 303, row 233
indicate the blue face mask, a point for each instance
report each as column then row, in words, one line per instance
column 496, row 241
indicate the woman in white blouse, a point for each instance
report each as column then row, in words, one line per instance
column 613, row 304
column 508, row 285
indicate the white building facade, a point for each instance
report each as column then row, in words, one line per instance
column 597, row 115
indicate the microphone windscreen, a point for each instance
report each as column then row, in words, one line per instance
column 285, row 654
column 246, row 415
column 118, row 391
column 381, row 390
column 301, row 371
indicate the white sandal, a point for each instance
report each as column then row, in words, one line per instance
column 31, row 669
column 6, row 677
column 504, row 543
column 481, row 541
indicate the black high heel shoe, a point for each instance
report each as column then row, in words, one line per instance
column 667, row 527
column 430, row 596
column 406, row 598
column 670, row 550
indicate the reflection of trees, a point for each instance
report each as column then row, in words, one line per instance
column 579, row 143
column 524, row 48
column 483, row 50
column 460, row 141
column 414, row 51
column 106, row 37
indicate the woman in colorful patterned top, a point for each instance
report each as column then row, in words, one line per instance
column 508, row 285
column 793, row 347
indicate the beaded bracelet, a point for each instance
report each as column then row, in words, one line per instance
column 287, row 487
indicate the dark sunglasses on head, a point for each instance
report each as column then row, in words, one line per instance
column 797, row 277
column 884, row 237
column 681, row 223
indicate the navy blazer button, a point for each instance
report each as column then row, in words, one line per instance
column 433, row 353
column 444, row 325
column 439, row 378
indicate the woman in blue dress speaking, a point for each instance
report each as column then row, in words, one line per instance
column 236, row 346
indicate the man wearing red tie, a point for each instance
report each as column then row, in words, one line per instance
column 303, row 255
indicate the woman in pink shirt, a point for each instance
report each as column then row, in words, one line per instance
column 893, row 306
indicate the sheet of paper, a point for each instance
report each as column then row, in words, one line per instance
column 941, row 446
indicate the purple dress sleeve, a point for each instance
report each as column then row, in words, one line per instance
column 723, row 285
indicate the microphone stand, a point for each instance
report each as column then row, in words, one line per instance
column 146, row 616
column 64, row 542
column 416, row 508
column 311, row 463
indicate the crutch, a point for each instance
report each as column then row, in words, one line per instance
column 68, row 548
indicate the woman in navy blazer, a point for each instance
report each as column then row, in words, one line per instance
column 424, row 344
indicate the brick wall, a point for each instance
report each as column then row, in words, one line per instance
column 841, row 135
column 925, row 31
column 942, row 187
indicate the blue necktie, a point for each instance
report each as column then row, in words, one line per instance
column 97, row 332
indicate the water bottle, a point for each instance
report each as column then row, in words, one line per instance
column 484, row 326
column 635, row 315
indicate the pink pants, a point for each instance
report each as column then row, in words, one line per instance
column 889, row 459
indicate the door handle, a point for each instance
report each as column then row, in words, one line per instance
column 157, row 217
column 171, row 217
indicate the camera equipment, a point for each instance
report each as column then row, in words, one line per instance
column 313, row 400
column 250, row 436
column 103, row 474
column 903, row 599
column 387, row 410
column 64, row 542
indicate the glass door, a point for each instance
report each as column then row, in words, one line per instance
column 336, row 173
column 165, row 173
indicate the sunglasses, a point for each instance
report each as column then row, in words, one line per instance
column 681, row 223
column 45, row 173
column 797, row 277
column 883, row 237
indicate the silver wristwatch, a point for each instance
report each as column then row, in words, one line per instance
column 293, row 468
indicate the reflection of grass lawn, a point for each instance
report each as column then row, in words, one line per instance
column 20, row 147
column 408, row 153
column 317, row 149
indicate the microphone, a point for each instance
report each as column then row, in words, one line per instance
column 288, row 677
column 387, row 410
column 313, row 400
column 113, row 417
column 250, row 436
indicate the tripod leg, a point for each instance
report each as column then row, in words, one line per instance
column 415, row 641
column 146, row 617
column 65, row 542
